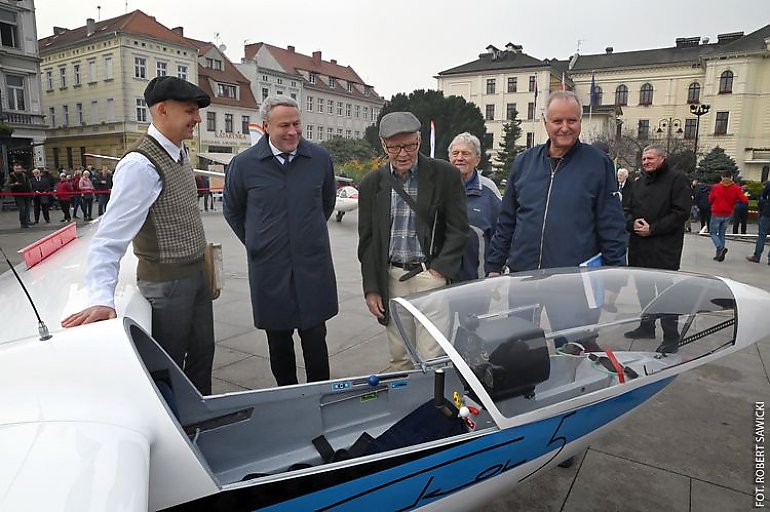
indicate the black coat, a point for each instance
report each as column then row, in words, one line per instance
column 440, row 196
column 280, row 216
column 662, row 198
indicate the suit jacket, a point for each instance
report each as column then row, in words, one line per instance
column 440, row 198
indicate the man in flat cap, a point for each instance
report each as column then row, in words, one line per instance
column 412, row 228
column 278, row 196
column 155, row 204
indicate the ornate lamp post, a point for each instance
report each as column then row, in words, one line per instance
column 697, row 111
column 668, row 125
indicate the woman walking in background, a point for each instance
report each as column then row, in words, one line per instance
column 86, row 194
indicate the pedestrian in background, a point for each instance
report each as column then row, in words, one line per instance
column 42, row 199
column 20, row 185
column 723, row 197
column 64, row 196
column 701, row 199
column 86, row 187
column 741, row 212
column 764, row 225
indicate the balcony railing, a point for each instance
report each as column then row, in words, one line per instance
column 16, row 119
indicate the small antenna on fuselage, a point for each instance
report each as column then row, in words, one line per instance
column 41, row 327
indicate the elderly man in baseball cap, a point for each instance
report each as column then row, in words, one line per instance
column 412, row 228
column 154, row 204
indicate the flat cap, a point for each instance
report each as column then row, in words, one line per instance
column 164, row 88
column 398, row 122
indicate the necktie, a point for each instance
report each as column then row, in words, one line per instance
column 286, row 158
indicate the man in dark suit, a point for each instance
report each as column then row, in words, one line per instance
column 408, row 245
column 278, row 196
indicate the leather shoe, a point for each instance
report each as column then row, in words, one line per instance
column 721, row 254
column 640, row 333
column 667, row 348
column 752, row 259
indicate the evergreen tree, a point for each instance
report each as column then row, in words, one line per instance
column 508, row 147
column 344, row 150
column 714, row 164
column 452, row 115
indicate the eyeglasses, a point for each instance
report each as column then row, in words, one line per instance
column 409, row 148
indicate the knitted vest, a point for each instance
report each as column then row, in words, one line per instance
column 171, row 242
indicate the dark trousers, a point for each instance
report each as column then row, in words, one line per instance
column 739, row 219
column 22, row 203
column 41, row 203
column 705, row 217
column 314, row 352
column 102, row 196
column 64, row 204
column 76, row 204
column 183, row 324
column 86, row 206
column 647, row 291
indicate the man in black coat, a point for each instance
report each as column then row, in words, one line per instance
column 403, row 250
column 42, row 187
column 278, row 196
column 656, row 212
column 21, row 187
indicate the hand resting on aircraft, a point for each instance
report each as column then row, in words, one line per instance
column 89, row 315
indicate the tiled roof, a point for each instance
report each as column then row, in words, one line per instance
column 293, row 62
column 501, row 59
column 135, row 22
column 228, row 74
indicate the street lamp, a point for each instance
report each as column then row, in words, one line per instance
column 668, row 125
column 697, row 111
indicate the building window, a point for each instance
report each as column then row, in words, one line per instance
column 108, row 68
column 141, row 110
column 320, row 105
column 62, row 77
column 76, row 73
column 339, row 132
column 530, row 139
column 181, row 72
column 693, row 93
column 226, row 91
column 726, row 82
column 79, row 113
column 530, row 111
column 161, row 69
column 358, row 134
column 309, row 103
column 329, row 133
column 218, row 64
column 265, row 93
column 66, row 111
column 94, row 112
column 293, row 96
column 598, row 96
column 689, row 128
column 490, row 113
column 532, row 81
column 209, row 62
column 348, row 109
column 91, row 71
column 279, row 93
column 621, row 96
column 510, row 111
column 643, row 132
column 332, row 82
column 228, row 123
column 490, row 85
column 512, row 83
column 348, row 134
column 8, row 29
column 16, row 97
column 311, row 78
column 367, row 90
column 52, row 117
column 265, row 78
column 279, row 81
column 309, row 132
column 140, row 67
column 330, row 109
column 358, row 111
column 49, row 79
column 110, row 109
column 339, row 108
column 245, row 124
column 211, row 121
column 350, row 87
column 320, row 133
column 720, row 128
column 645, row 94
column 366, row 113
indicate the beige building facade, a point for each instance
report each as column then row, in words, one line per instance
column 650, row 95
column 93, row 80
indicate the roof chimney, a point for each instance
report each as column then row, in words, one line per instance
column 317, row 57
column 333, row 61
column 731, row 36
column 179, row 30
column 290, row 48
column 609, row 50
column 90, row 26
column 59, row 30
column 687, row 42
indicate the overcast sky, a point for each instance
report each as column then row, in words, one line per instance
column 399, row 46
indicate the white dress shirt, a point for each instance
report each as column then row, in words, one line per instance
column 136, row 187
column 278, row 154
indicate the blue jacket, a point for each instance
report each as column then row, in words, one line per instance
column 559, row 218
column 483, row 206
column 280, row 214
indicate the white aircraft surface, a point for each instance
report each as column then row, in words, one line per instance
column 97, row 417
